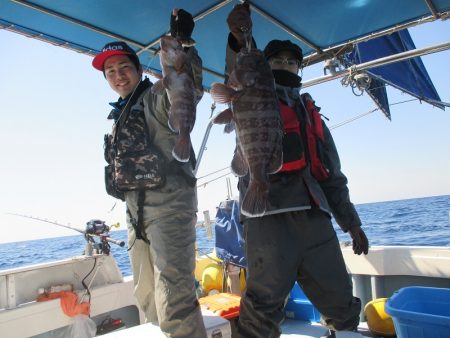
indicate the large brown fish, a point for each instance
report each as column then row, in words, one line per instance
column 181, row 92
column 256, row 117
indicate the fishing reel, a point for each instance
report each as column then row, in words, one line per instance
column 98, row 228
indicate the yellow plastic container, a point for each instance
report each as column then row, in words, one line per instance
column 209, row 272
column 212, row 278
column 202, row 262
column 378, row 321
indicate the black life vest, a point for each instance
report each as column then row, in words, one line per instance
column 295, row 156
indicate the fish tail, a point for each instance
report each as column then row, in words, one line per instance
column 255, row 200
column 182, row 149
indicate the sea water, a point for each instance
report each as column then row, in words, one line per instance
column 419, row 221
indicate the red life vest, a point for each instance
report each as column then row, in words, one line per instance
column 294, row 157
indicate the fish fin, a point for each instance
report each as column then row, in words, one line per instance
column 189, row 42
column 238, row 164
column 233, row 81
column 158, row 87
column 171, row 122
column 198, row 94
column 255, row 199
column 182, row 149
column 223, row 117
column 276, row 163
column 222, row 93
column 229, row 127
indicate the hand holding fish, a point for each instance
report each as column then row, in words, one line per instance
column 181, row 26
column 240, row 24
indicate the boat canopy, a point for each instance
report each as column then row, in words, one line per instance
column 323, row 29
column 409, row 76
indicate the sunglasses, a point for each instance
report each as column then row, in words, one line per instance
column 280, row 61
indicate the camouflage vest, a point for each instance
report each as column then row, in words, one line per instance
column 134, row 163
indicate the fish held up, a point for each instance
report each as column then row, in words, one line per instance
column 254, row 112
column 181, row 92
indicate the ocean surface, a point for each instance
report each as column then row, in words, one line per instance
column 419, row 221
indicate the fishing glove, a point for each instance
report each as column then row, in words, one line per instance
column 360, row 241
column 181, row 24
column 240, row 23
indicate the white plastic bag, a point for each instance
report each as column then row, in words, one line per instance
column 82, row 327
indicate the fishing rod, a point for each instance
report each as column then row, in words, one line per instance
column 95, row 228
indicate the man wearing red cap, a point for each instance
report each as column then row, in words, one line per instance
column 160, row 193
column 294, row 241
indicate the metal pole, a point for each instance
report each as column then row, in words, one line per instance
column 196, row 18
column 203, row 146
column 78, row 22
column 284, row 27
column 378, row 63
column 432, row 8
column 205, row 139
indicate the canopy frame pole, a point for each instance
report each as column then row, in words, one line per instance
column 334, row 51
column 432, row 8
column 116, row 36
column 197, row 17
column 378, row 63
column 284, row 27
column 77, row 22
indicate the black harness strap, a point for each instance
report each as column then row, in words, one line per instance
column 140, row 220
column 138, row 225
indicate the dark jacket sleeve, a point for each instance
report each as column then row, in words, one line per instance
column 231, row 53
column 335, row 186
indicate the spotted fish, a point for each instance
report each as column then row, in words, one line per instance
column 182, row 94
column 255, row 113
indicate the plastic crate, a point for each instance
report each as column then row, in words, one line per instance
column 300, row 307
column 420, row 312
column 226, row 305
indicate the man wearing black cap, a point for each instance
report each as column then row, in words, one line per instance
column 159, row 192
column 295, row 241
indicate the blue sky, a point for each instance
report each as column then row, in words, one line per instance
column 53, row 118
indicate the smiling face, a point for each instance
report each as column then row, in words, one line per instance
column 121, row 74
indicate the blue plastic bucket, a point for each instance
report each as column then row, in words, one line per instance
column 420, row 312
column 300, row 307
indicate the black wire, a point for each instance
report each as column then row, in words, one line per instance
column 84, row 284
column 132, row 244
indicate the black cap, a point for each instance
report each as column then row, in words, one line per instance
column 275, row 46
column 114, row 48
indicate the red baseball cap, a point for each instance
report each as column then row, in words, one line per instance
column 110, row 49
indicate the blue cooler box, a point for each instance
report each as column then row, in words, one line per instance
column 299, row 307
column 420, row 312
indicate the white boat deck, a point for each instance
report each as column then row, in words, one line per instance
column 217, row 327
column 379, row 274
